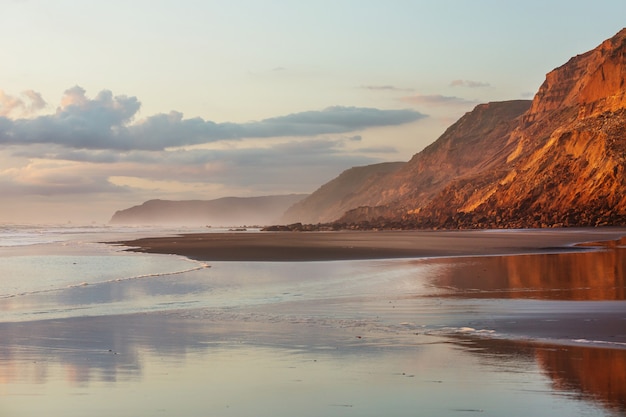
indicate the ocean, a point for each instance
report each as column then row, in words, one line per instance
column 91, row 328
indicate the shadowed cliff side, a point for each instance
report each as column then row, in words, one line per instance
column 347, row 191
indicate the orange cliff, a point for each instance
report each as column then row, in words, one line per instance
column 557, row 161
column 561, row 163
column 594, row 82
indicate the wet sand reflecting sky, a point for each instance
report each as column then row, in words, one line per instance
column 161, row 364
column 540, row 335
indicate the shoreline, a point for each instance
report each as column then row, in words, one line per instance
column 595, row 325
column 363, row 245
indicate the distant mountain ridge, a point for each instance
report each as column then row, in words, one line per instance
column 227, row 211
column 556, row 161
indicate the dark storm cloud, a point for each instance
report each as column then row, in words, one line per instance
column 107, row 122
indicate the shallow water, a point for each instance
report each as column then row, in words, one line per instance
column 153, row 364
column 88, row 329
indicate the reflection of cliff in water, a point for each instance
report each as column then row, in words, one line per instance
column 591, row 373
column 596, row 275
column 599, row 374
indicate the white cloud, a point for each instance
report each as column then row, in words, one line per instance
column 28, row 104
column 107, row 122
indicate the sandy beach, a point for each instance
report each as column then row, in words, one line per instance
column 353, row 245
column 440, row 323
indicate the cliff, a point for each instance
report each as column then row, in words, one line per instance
column 476, row 141
column 347, row 191
column 559, row 163
column 228, row 211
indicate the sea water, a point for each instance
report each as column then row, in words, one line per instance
column 90, row 328
column 45, row 270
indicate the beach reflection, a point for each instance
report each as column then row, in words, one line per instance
column 595, row 374
column 599, row 374
column 365, row 338
column 190, row 366
column 597, row 275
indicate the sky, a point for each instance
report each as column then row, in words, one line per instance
column 104, row 105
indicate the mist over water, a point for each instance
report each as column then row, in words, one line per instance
column 84, row 323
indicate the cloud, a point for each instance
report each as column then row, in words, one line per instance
column 95, row 146
column 27, row 105
column 437, row 100
column 285, row 163
column 107, row 122
column 336, row 119
column 48, row 178
column 469, row 84
column 285, row 152
column 384, row 88
column 36, row 101
column 79, row 122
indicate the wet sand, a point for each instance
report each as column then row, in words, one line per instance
column 103, row 366
column 538, row 335
column 353, row 245
column 550, row 272
column 346, row 245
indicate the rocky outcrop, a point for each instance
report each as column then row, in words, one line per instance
column 561, row 163
column 593, row 82
column 228, row 211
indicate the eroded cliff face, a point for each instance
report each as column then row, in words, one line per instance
column 594, row 82
column 561, row 163
column 568, row 165
column 478, row 141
